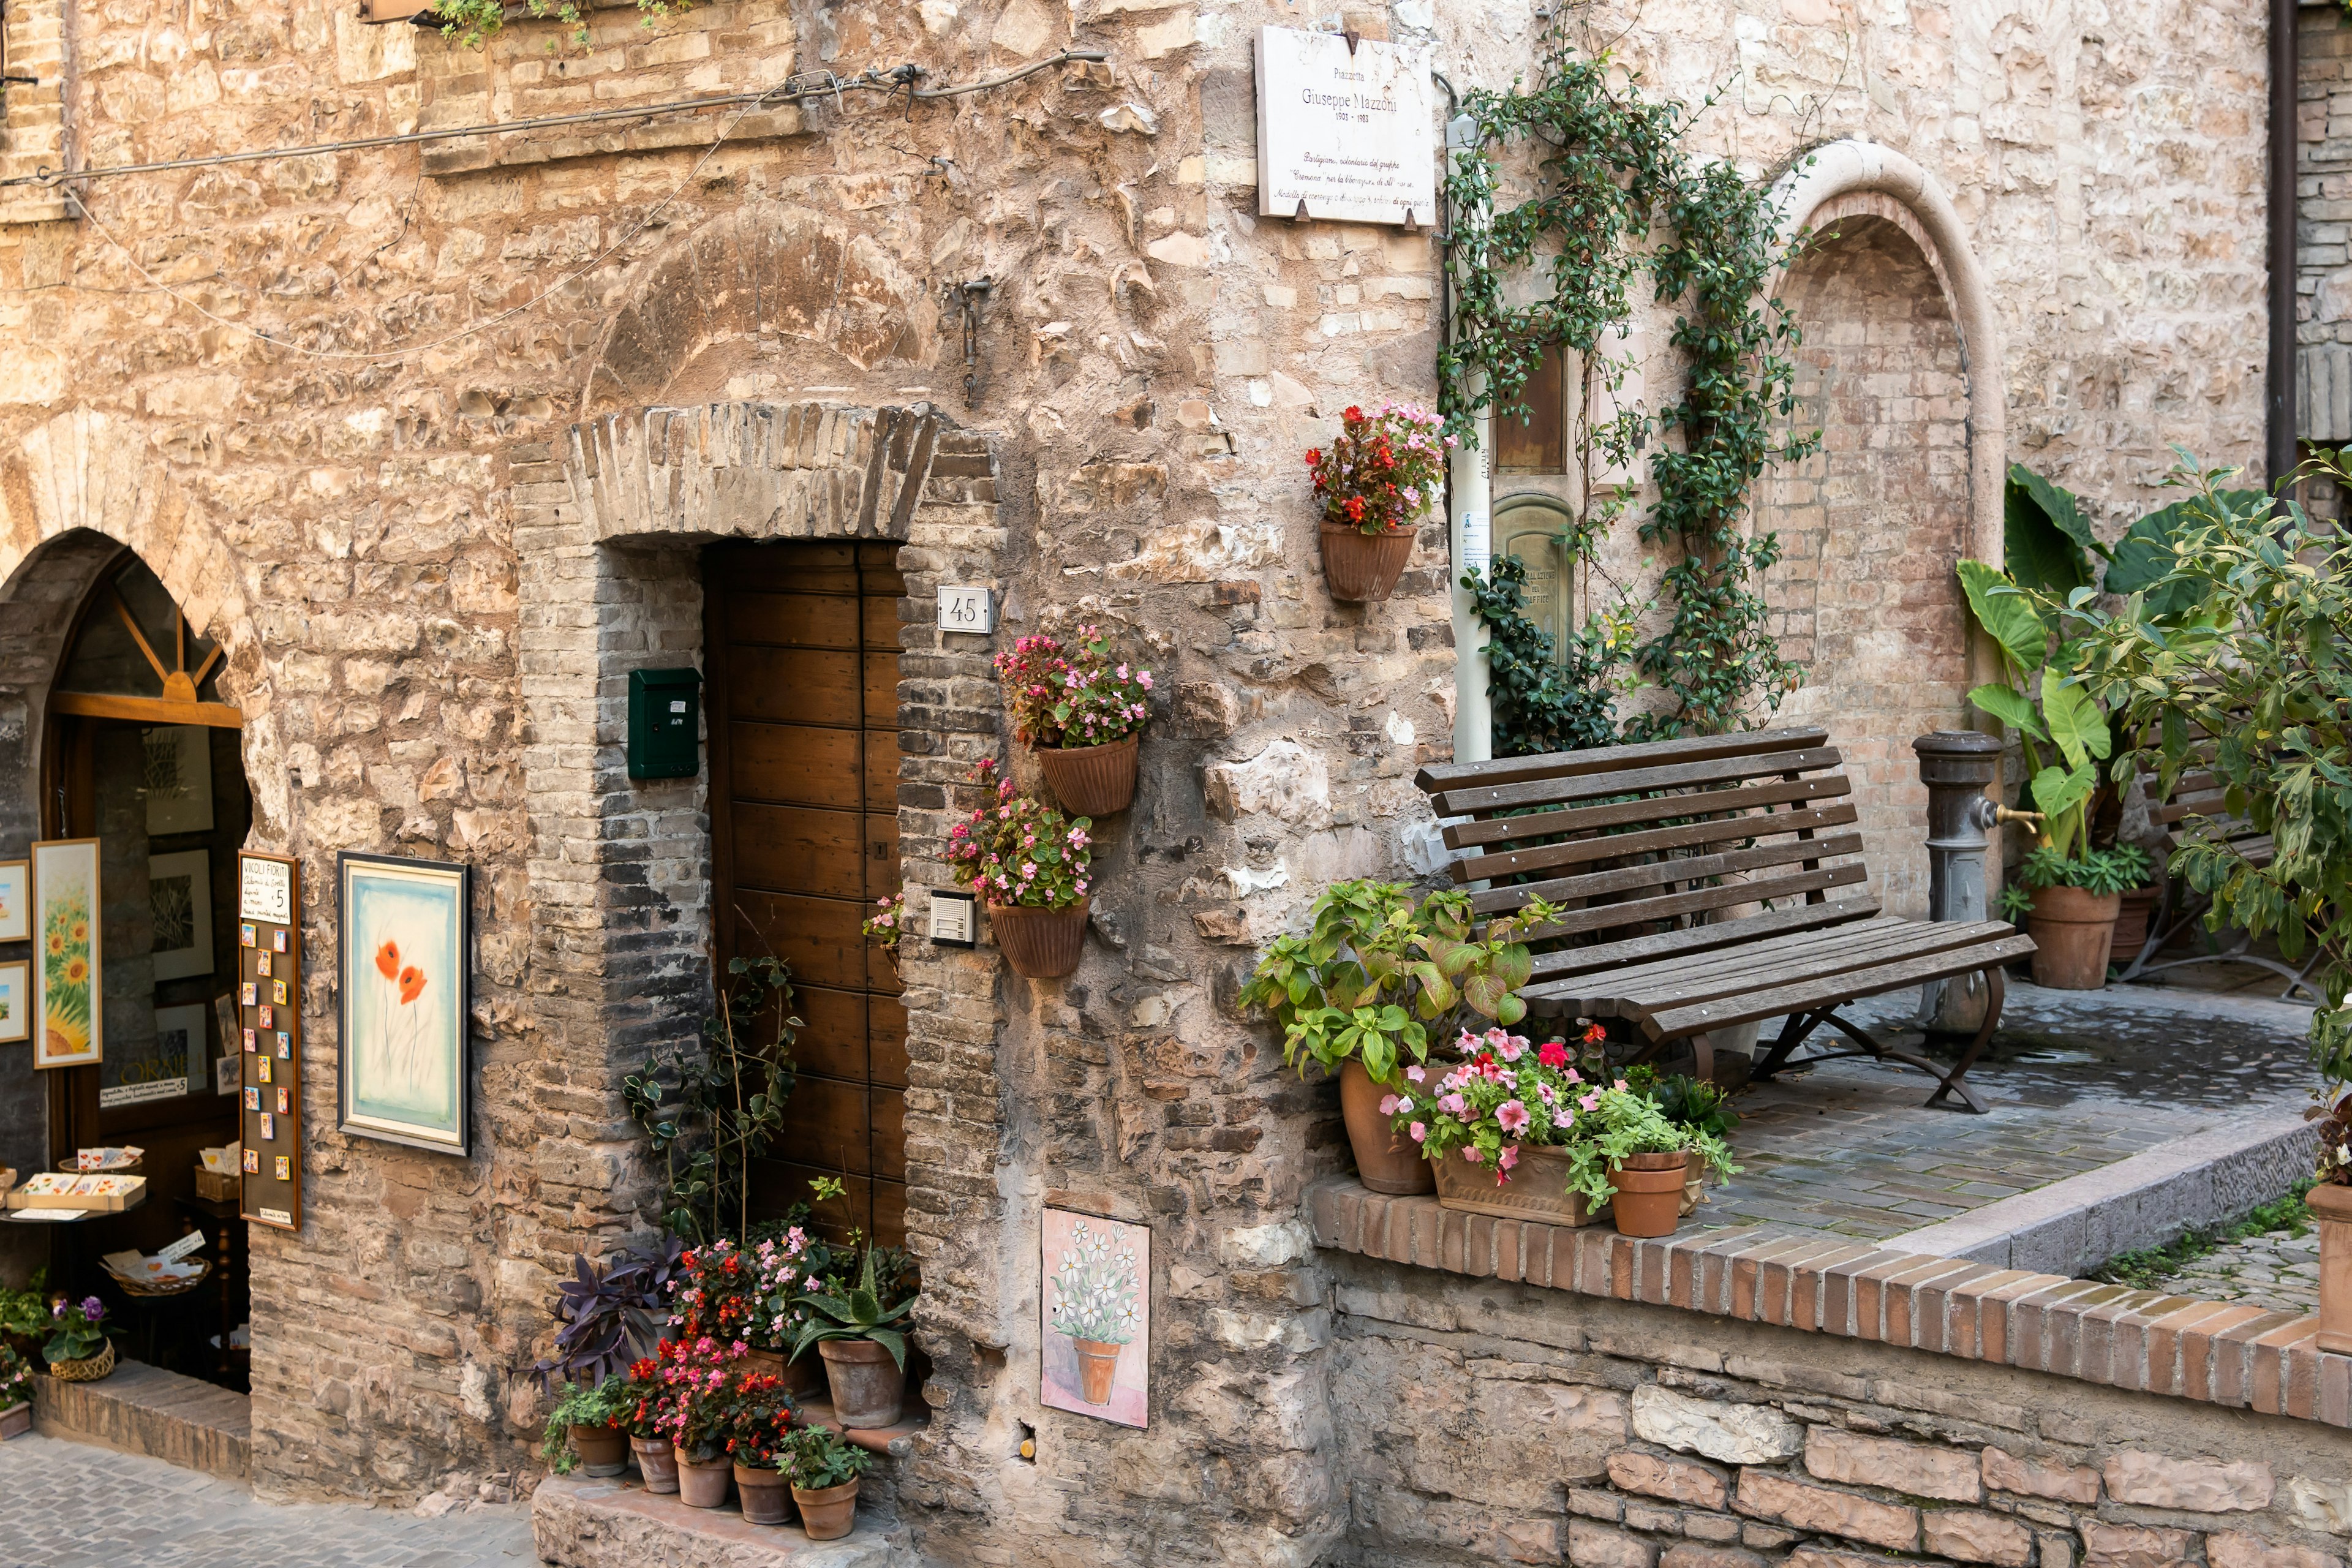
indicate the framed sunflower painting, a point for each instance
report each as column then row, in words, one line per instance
column 406, row 940
column 68, row 1028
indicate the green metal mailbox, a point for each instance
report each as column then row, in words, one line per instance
column 665, row 724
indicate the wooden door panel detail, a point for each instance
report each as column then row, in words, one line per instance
column 798, row 849
column 802, row 764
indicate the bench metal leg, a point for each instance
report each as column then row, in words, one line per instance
column 1792, row 1035
column 1949, row 1080
column 1995, row 985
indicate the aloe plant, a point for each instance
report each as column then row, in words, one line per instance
column 856, row 1313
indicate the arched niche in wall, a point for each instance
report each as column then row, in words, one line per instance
column 1900, row 369
column 1528, row 524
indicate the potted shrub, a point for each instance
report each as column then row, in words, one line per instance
column 755, row 1415
column 2070, row 904
column 15, row 1393
column 1367, row 986
column 1623, row 1150
column 824, row 1469
column 607, row 1318
column 1688, row 1102
column 638, row 1413
column 77, row 1349
column 1382, row 472
column 694, row 1378
column 1031, row 865
column 859, row 1329
column 1081, row 712
column 585, row 1423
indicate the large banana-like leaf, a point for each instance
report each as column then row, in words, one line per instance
column 2011, row 708
column 2006, row 614
column 2046, row 541
column 2075, row 722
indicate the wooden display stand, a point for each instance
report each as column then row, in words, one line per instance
column 269, row 1021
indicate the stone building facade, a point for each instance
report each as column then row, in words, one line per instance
column 430, row 440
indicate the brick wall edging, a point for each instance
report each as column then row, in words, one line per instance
column 2140, row 1341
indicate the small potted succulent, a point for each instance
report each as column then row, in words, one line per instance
column 1030, row 865
column 1381, row 472
column 859, row 1329
column 755, row 1416
column 15, row 1393
column 1081, row 712
column 638, row 1413
column 583, row 1428
column 824, row 1472
column 79, row 1349
column 694, row 1378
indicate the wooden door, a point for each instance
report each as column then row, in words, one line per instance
column 802, row 656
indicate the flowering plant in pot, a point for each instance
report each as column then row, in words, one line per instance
column 1494, row 1124
column 1032, row 866
column 1082, row 711
column 887, row 925
column 78, row 1348
column 1363, row 992
column 755, row 1416
column 695, row 1375
column 1381, row 472
column 781, row 1266
column 15, row 1393
column 638, row 1411
column 823, row 1469
column 1093, row 1302
column 584, row 1428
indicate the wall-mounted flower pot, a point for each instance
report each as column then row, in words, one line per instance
column 1386, row 1161
column 657, row 1462
column 704, row 1483
column 828, row 1512
column 1091, row 781
column 766, row 1496
column 602, row 1450
column 1537, row 1189
column 2331, row 1205
column 868, row 1387
column 2073, row 930
column 2132, row 914
column 1649, row 1192
column 1097, row 1366
column 1041, row 945
column 1361, row 567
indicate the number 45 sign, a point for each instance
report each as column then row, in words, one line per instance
column 966, row 609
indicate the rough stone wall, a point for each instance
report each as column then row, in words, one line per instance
column 1496, row 1422
column 1870, row 525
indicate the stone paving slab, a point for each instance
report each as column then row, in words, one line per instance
column 72, row 1505
column 2275, row 1270
column 2078, row 1081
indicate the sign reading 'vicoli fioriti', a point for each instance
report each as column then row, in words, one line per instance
column 1345, row 131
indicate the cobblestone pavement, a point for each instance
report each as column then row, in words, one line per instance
column 70, row 1505
column 2076, row 1081
column 2276, row 1270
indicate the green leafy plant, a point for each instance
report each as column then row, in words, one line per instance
column 709, row 1112
column 1615, row 196
column 1684, row 1100
column 581, row 1405
column 1541, row 701
column 25, row 1314
column 862, row 1311
column 815, row 1457
column 2255, row 688
column 1375, row 971
column 16, row 1377
column 1619, row 1123
column 472, row 22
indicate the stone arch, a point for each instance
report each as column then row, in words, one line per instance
column 1872, row 525
column 769, row 273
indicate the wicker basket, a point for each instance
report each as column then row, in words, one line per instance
column 90, row 1369
column 151, row 1289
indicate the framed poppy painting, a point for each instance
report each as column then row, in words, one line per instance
column 68, row 1023
column 406, row 942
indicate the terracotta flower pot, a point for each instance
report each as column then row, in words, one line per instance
column 703, row 1483
column 1386, row 1161
column 827, row 1514
column 1097, row 1365
column 16, row 1421
column 1649, row 1192
column 602, row 1450
column 766, row 1496
column 1042, row 944
column 1694, row 1184
column 1091, row 781
column 2331, row 1205
column 2131, row 924
column 657, row 1462
column 1538, row 1190
column 2073, row 931
column 868, row 1387
column 1361, row 567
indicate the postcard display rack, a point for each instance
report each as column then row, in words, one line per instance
column 270, row 1020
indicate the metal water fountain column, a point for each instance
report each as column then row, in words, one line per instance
column 1957, row 766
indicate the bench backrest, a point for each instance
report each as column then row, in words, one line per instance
column 2195, row 792
column 1627, row 835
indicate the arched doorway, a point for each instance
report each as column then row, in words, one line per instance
column 139, row 752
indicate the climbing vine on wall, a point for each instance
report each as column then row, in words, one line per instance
column 1614, row 198
column 1546, row 699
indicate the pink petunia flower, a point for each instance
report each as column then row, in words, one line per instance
column 1416, row 1074
column 1418, row 1130
column 1511, row 1116
column 1388, row 1105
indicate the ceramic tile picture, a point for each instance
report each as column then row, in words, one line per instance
column 405, row 937
column 1097, row 1307
column 16, row 901
column 68, row 997
column 244, row 933
column 16, row 1002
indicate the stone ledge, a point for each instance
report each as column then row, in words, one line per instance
column 2143, row 1341
column 586, row 1523
column 142, row 1409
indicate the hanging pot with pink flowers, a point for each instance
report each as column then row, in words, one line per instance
column 1082, row 711
column 1031, row 865
column 1381, row 473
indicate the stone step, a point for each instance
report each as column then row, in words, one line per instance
column 142, row 1409
column 583, row 1523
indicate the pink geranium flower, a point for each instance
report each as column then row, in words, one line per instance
column 1552, row 1054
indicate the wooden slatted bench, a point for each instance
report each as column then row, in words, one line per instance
column 1656, row 850
column 2201, row 794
